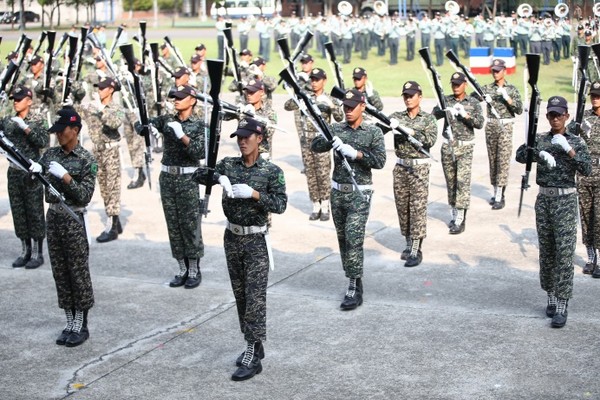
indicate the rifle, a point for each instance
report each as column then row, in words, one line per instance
column 437, row 86
column 84, row 32
column 51, row 35
column 68, row 80
column 115, row 41
column 62, row 42
column 215, row 73
column 140, row 99
column 385, row 122
column 20, row 43
column 533, row 66
column 155, row 78
column 315, row 113
column 584, row 84
column 24, row 48
column 301, row 45
column 236, row 68
column 16, row 157
column 143, row 58
column 335, row 66
column 175, row 51
column 41, row 39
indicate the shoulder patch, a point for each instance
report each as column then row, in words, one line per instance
column 281, row 178
column 94, row 168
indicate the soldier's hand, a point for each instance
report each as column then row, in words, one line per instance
column 245, row 109
column 502, row 91
column 57, row 170
column 487, row 98
column 394, row 123
column 586, row 127
column 369, row 89
column 177, row 129
column 547, row 157
column 242, row 191
column 154, row 132
column 348, row 151
column 226, row 184
column 561, row 140
column 67, row 103
column 35, row 168
column 19, row 121
column 336, row 143
column 460, row 110
column 408, row 130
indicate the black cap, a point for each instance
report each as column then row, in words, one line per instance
column 258, row 61
column 595, row 88
column 195, row 59
column 254, row 85
column 557, row 104
column 201, row 46
column 181, row 71
column 358, row 73
column 11, row 55
column 246, row 52
column 411, row 87
column 498, row 65
column 458, row 78
column 107, row 82
column 306, row 58
column 588, row 33
column 67, row 116
column 35, row 59
column 20, row 92
column 353, row 97
column 182, row 92
column 248, row 126
column 318, row 73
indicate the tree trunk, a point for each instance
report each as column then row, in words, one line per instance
column 22, row 20
column 77, row 14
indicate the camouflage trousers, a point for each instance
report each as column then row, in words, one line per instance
column 317, row 168
column 350, row 214
column 69, row 257
column 248, row 266
column 589, row 210
column 135, row 145
column 458, row 175
column 498, row 139
column 180, row 198
column 411, row 190
column 109, row 179
column 26, row 197
column 556, row 224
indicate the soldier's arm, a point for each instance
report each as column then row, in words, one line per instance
column 517, row 105
column 475, row 119
column 38, row 136
column 437, row 112
column 428, row 134
column 111, row 117
column 195, row 148
column 375, row 101
column 275, row 199
column 290, row 105
column 82, row 189
column 375, row 156
column 582, row 157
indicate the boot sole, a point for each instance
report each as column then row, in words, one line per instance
column 245, row 378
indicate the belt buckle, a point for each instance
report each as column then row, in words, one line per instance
column 345, row 187
column 551, row 192
column 172, row 169
column 236, row 230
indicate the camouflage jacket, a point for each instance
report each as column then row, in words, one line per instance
column 265, row 113
column 504, row 110
column 425, row 129
column 327, row 107
column 82, row 167
column 29, row 145
column 367, row 139
column 103, row 126
column 174, row 152
column 264, row 177
column 462, row 128
column 40, row 106
column 563, row 175
column 593, row 143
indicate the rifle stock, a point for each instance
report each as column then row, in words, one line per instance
column 336, row 66
column 143, row 57
column 155, row 78
column 302, row 45
column 51, row 36
column 583, row 53
column 72, row 60
column 233, row 57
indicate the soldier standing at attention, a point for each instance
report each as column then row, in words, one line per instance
column 559, row 156
column 363, row 85
column 252, row 188
column 72, row 171
column 28, row 133
column 467, row 116
column 317, row 166
column 183, row 135
column 104, row 118
column 498, row 132
column 411, row 173
column 363, row 146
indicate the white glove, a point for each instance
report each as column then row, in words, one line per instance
column 460, row 110
column 242, row 191
column 348, row 151
column 57, row 170
column 96, row 103
column 369, row 89
column 100, row 73
column 246, row 109
column 169, row 106
column 176, row 126
column 19, row 121
column 561, row 140
column 67, row 103
column 408, row 130
column 452, row 112
column 488, row 98
column 35, row 168
column 586, row 127
column 154, row 132
column 502, row 91
column 394, row 123
column 336, row 143
column 226, row 184
column 544, row 155
column 254, row 70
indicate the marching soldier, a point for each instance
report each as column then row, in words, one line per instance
column 362, row 145
column 457, row 160
column 506, row 100
column 27, row 131
column 244, row 30
column 363, row 85
column 135, row 143
column 72, row 171
column 254, row 92
column 559, row 156
column 411, row 173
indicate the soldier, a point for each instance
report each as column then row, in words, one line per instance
column 410, row 30
column 439, row 38
column 587, row 187
column 362, row 145
column 254, row 91
column 244, row 30
column 135, row 143
column 220, row 25
column 411, row 173
column 363, row 85
column 317, row 166
column 43, row 101
column 506, row 100
column 559, row 156
column 252, row 188
column 183, row 135
column 72, row 171
column 257, row 71
column 457, row 160
column 167, row 58
column 27, row 131
column 425, row 29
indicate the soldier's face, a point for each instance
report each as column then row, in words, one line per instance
column 353, row 114
column 249, row 145
column 182, row 80
column 68, row 137
column 185, row 103
column 360, row 83
column 37, row 67
column 317, row 84
column 595, row 98
column 22, row 104
column 498, row 74
column 459, row 89
column 412, row 101
column 106, row 92
column 307, row 66
column 254, row 97
column 557, row 121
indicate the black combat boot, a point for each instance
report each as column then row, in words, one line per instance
column 324, row 210
column 353, row 297
column 560, row 317
column 25, row 256
column 406, row 251
column 251, row 365
column 459, row 223
column 551, row 307
column 112, row 230
column 180, row 278
column 416, row 256
column 79, row 333
column 37, row 258
column 596, row 273
column 64, row 335
column 259, row 351
column 453, row 213
column 592, row 261
column 194, row 274
column 499, row 204
column 316, row 212
column 139, row 182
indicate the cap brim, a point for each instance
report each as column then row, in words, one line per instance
column 357, row 76
column 497, row 68
column 57, row 128
column 596, row 92
column 252, row 89
column 351, row 103
column 410, row 91
column 457, row 82
column 560, row 110
column 178, row 95
column 242, row 133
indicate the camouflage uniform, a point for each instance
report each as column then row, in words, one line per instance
column 247, row 255
column 47, row 109
column 411, row 175
column 351, row 211
column 26, row 195
column 556, row 214
column 265, row 112
column 67, row 239
column 458, row 172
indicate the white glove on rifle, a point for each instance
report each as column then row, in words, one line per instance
column 408, row 130
column 369, row 89
column 394, row 123
column 502, row 91
column 460, row 110
column 242, row 191
column 35, row 168
column 487, row 98
column 561, row 140
column 336, row 143
column 176, row 126
column 19, row 121
column 154, row 132
column 226, row 184
column 452, row 112
column 57, row 170
column 544, row 155
column 586, row 127
column 348, row 151
column 245, row 109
